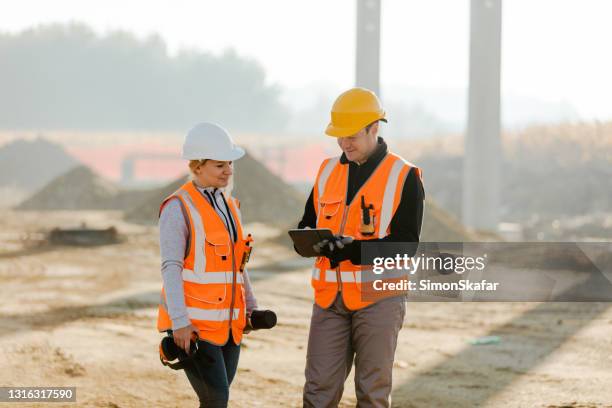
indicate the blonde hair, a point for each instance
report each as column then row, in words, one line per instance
column 194, row 164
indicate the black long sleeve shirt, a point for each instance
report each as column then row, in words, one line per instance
column 406, row 223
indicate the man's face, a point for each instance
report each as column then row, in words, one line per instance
column 361, row 145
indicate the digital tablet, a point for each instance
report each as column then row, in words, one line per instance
column 305, row 239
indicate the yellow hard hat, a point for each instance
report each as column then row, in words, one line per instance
column 354, row 110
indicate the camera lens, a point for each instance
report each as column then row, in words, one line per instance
column 170, row 349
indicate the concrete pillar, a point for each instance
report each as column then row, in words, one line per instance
column 127, row 170
column 367, row 66
column 483, row 156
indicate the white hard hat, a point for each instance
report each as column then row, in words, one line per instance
column 210, row 141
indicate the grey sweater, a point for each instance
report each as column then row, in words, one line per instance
column 173, row 234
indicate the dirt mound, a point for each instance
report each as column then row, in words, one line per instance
column 264, row 197
column 77, row 189
column 30, row 164
column 440, row 226
column 146, row 212
column 81, row 189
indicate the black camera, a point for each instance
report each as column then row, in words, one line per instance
column 169, row 351
column 261, row 319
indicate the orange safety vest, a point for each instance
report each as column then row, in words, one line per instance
column 212, row 280
column 383, row 190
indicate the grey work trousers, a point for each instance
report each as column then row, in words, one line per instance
column 337, row 335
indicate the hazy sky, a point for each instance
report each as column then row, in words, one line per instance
column 553, row 50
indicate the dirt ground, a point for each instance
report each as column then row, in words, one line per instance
column 85, row 317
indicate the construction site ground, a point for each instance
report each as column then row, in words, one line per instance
column 85, row 317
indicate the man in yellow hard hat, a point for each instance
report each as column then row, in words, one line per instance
column 368, row 195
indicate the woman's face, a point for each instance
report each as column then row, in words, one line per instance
column 214, row 173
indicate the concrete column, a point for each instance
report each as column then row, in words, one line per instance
column 127, row 170
column 483, row 156
column 367, row 66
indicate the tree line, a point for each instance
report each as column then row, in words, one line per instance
column 65, row 76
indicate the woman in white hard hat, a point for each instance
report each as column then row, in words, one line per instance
column 206, row 293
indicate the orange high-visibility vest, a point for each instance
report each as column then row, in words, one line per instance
column 212, row 281
column 383, row 191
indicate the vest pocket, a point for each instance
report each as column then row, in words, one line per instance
column 329, row 206
column 210, row 293
column 206, row 316
column 218, row 252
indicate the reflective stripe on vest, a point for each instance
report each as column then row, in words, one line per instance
column 211, row 277
column 199, row 261
column 388, row 198
column 331, row 163
column 214, row 315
